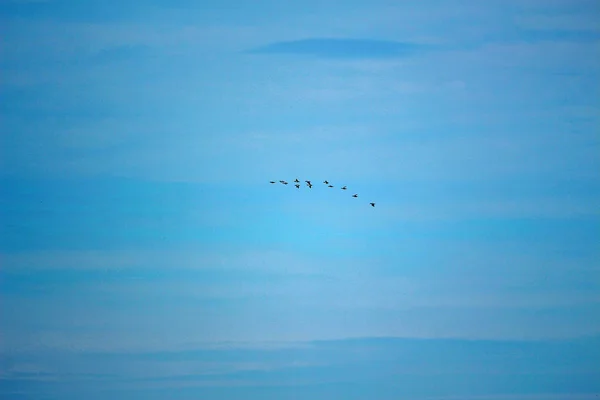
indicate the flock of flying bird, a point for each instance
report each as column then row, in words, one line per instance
column 310, row 185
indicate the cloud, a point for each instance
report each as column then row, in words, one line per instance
column 342, row 48
column 417, row 369
column 120, row 53
column 224, row 298
column 557, row 35
column 180, row 258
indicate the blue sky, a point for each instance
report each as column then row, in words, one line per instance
column 145, row 255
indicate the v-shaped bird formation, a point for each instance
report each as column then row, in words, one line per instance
column 310, row 185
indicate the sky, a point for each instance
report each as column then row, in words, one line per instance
column 145, row 255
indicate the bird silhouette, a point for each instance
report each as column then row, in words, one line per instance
column 310, row 185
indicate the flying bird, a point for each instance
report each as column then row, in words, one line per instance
column 310, row 185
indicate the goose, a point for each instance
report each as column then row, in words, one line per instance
column 330, row 186
column 344, row 188
column 309, row 186
column 326, row 182
column 271, row 181
column 296, row 180
column 307, row 182
column 372, row 204
column 297, row 186
column 284, row 182
column 354, row 195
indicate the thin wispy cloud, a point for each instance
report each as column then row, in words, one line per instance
column 343, row 48
column 421, row 369
column 121, row 53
